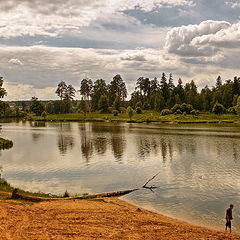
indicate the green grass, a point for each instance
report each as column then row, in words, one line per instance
column 5, row 144
column 146, row 116
column 6, row 189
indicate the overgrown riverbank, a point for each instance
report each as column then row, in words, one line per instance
column 6, row 191
column 147, row 116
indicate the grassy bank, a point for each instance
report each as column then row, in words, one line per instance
column 6, row 191
column 147, row 116
column 5, row 144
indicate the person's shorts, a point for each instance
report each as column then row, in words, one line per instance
column 228, row 224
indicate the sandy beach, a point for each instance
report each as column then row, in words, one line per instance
column 108, row 218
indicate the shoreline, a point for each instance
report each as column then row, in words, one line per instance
column 103, row 218
column 182, row 220
column 145, row 117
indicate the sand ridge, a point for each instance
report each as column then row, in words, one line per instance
column 108, row 218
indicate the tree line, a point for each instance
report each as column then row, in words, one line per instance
column 161, row 95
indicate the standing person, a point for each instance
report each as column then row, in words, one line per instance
column 229, row 218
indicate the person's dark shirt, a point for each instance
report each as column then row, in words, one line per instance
column 229, row 214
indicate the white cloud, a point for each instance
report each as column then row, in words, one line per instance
column 26, row 92
column 184, row 40
column 32, row 17
column 233, row 4
column 45, row 67
column 210, row 42
column 15, row 61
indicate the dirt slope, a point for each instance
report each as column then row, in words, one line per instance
column 95, row 219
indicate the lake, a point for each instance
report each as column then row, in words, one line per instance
column 199, row 165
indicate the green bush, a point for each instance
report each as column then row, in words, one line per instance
column 115, row 112
column 130, row 112
column 138, row 110
column 176, row 109
column 195, row 112
column 110, row 109
column 165, row 112
column 138, row 104
column 218, row 108
column 232, row 110
column 44, row 114
column 123, row 110
column 66, row 194
column 146, row 106
column 186, row 108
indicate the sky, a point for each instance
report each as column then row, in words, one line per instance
column 44, row 42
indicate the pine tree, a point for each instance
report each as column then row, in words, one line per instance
column 170, row 83
column 61, row 89
column 164, row 87
column 3, row 92
column 218, row 82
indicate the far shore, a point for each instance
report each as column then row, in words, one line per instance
column 104, row 218
column 145, row 117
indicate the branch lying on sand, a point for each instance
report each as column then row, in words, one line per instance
column 16, row 195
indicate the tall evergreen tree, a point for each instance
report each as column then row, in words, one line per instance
column 170, row 83
column 3, row 92
column 235, row 86
column 178, row 90
column 69, row 93
column 164, row 87
column 117, row 88
column 154, row 86
column 144, row 85
column 218, row 82
column 86, row 88
column 61, row 89
column 99, row 89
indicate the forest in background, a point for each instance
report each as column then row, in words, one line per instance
column 160, row 95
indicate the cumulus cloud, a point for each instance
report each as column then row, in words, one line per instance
column 210, row 42
column 184, row 40
column 15, row 61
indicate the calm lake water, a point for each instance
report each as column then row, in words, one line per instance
column 199, row 165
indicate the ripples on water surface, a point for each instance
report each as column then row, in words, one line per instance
column 199, row 164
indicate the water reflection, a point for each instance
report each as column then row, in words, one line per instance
column 36, row 124
column 199, row 168
column 118, row 146
column 36, row 136
column 86, row 147
column 100, row 145
column 65, row 140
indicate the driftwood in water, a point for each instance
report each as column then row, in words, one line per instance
column 151, row 187
column 16, row 195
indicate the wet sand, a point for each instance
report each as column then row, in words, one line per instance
column 108, row 218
